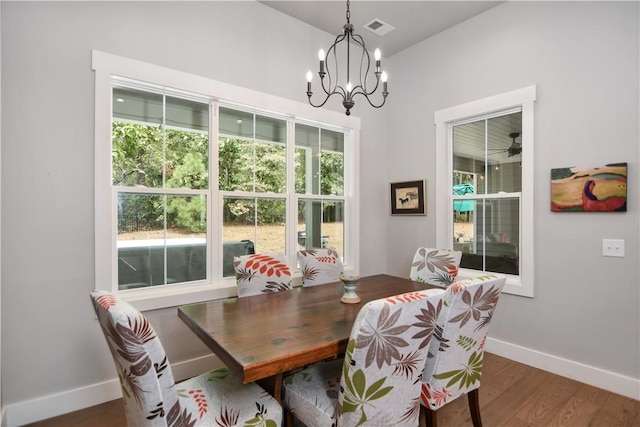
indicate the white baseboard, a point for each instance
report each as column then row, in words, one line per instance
column 615, row 383
column 30, row 411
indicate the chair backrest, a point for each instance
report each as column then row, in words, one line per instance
column 387, row 349
column 262, row 274
column 320, row 266
column 438, row 267
column 148, row 387
column 454, row 365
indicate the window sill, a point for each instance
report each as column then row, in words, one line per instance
column 146, row 299
column 513, row 285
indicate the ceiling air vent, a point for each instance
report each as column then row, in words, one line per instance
column 379, row 27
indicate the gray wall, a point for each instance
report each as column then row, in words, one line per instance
column 583, row 57
column 51, row 341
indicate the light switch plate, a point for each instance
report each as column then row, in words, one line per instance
column 613, row 247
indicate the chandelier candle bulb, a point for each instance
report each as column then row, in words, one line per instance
column 321, row 58
column 377, row 55
column 309, row 78
column 384, row 82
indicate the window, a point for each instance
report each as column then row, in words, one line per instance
column 319, row 187
column 186, row 180
column 485, row 186
column 160, row 152
column 252, row 164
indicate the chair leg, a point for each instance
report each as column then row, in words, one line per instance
column 474, row 407
column 428, row 417
column 288, row 418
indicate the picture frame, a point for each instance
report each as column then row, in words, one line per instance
column 408, row 198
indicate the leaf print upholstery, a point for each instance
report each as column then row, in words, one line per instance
column 383, row 341
column 437, row 267
column 455, row 367
column 151, row 397
column 378, row 383
column 262, row 274
column 320, row 266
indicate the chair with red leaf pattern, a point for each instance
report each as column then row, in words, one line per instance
column 454, row 365
column 258, row 274
column 438, row 267
column 151, row 396
column 320, row 266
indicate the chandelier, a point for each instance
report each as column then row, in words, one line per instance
column 329, row 69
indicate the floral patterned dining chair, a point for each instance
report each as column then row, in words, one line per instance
column 438, row 267
column 152, row 398
column 454, row 367
column 320, row 266
column 258, row 274
column 378, row 381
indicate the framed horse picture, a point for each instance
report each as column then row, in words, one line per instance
column 408, row 198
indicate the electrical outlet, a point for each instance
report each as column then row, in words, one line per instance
column 613, row 247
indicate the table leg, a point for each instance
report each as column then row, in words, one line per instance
column 273, row 385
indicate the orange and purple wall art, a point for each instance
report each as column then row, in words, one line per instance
column 589, row 189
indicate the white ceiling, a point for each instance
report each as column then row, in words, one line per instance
column 414, row 21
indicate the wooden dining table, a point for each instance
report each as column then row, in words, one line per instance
column 263, row 337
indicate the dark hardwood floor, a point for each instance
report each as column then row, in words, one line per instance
column 512, row 394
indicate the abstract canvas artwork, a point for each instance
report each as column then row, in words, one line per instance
column 589, row 189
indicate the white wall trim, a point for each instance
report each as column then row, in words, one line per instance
column 45, row 407
column 53, row 405
column 610, row 381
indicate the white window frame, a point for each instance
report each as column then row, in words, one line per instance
column 524, row 99
column 107, row 66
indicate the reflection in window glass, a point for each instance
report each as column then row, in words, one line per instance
column 158, row 140
column 251, row 152
column 491, row 240
column 321, row 224
column 187, row 159
column 487, row 183
column 152, row 251
column 258, row 220
column 319, row 167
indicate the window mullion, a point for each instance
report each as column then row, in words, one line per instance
column 164, row 186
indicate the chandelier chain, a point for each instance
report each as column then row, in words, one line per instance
column 348, row 12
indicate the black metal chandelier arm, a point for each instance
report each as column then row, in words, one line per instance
column 384, row 99
column 363, row 89
column 327, row 70
column 365, row 55
column 336, row 90
column 329, row 95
